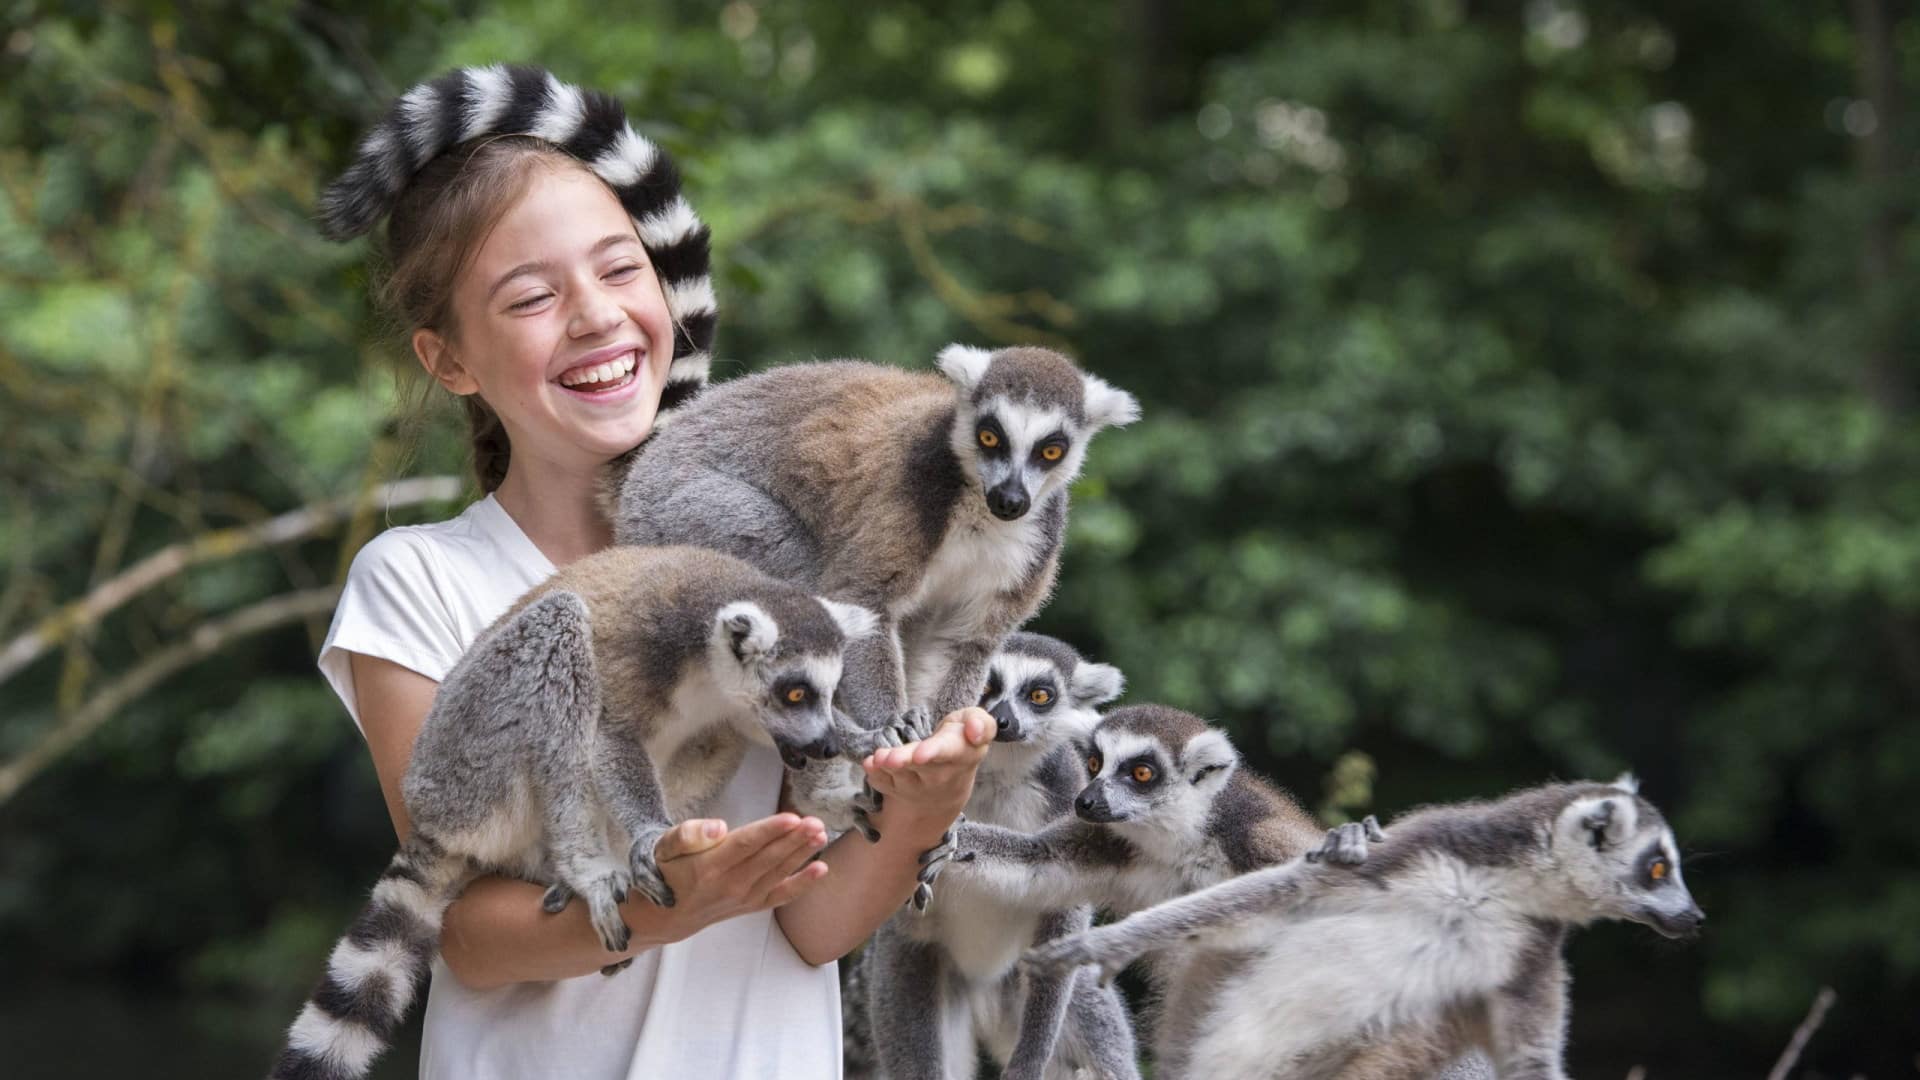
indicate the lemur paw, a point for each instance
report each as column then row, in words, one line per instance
column 932, row 861
column 646, row 871
column 914, row 724
column 604, row 896
column 615, row 969
column 556, row 899
column 1068, row 954
column 1346, row 845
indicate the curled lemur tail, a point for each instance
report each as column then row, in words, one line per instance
column 376, row 969
column 512, row 100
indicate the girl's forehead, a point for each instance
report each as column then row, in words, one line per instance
column 564, row 214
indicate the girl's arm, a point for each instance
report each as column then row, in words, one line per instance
column 496, row 933
column 924, row 786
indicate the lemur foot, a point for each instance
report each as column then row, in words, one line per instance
column 556, row 899
column 615, row 969
column 912, row 725
column 1346, row 845
column 1062, row 956
column 604, row 896
column 646, row 870
column 932, row 861
column 867, row 803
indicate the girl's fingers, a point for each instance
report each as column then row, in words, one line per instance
column 750, row 840
column 776, row 860
column 690, row 837
column 796, row 883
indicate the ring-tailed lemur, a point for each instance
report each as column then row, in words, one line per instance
column 938, row 503
column 1166, row 810
column 942, row 984
column 610, row 701
column 1449, row 935
column 469, row 103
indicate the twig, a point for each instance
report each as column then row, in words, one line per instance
column 205, row 640
column 1821, row 1003
column 66, row 622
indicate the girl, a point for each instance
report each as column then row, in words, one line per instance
column 530, row 292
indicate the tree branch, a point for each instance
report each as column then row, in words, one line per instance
column 72, row 619
column 1815, row 1017
column 206, row 639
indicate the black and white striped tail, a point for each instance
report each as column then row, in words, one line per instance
column 512, row 100
column 375, row 971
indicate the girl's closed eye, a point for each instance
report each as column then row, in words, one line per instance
column 620, row 275
column 528, row 303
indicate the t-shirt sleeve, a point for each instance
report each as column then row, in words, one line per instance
column 391, row 607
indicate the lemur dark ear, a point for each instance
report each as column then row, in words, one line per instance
column 1597, row 822
column 749, row 631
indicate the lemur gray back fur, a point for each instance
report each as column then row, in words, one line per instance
column 942, row 984
column 476, row 102
column 610, row 701
column 939, row 503
column 1448, row 936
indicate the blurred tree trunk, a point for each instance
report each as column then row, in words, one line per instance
column 1876, row 151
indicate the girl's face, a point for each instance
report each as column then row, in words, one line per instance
column 562, row 325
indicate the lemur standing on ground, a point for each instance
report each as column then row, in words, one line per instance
column 1448, row 936
column 938, row 503
column 940, row 985
column 1166, row 811
column 540, row 759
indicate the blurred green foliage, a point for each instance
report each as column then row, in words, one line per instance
column 1529, row 392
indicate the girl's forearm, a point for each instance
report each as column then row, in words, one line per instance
column 496, row 934
column 865, row 884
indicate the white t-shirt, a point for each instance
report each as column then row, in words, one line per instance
column 732, row 1001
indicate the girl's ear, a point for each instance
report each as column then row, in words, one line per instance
column 436, row 355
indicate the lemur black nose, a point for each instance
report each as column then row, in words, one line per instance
column 1092, row 805
column 822, row 748
column 1007, row 501
column 1008, row 721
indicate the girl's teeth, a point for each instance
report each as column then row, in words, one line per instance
column 599, row 373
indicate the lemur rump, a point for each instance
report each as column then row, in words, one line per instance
column 1449, row 935
column 538, row 759
column 938, row 503
column 941, row 984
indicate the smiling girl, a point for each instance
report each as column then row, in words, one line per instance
column 528, row 291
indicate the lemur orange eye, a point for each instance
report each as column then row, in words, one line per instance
column 797, row 695
column 1658, row 870
column 1040, row 696
column 1053, row 452
column 1143, row 774
column 1093, row 765
column 988, row 439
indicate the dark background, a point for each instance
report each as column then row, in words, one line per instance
column 1529, row 393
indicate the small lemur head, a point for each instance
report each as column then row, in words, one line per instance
column 1040, row 692
column 779, row 655
column 1621, row 861
column 1023, row 421
column 1155, row 769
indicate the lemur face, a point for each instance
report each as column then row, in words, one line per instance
column 1622, row 858
column 786, row 678
column 1040, row 692
column 1022, row 422
column 1138, row 780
